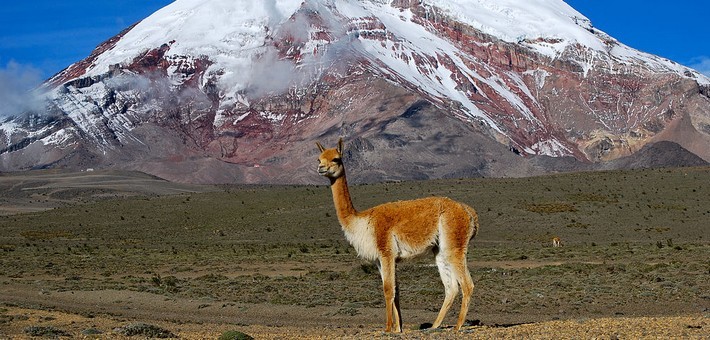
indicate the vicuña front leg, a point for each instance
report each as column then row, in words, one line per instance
column 396, row 304
column 389, row 288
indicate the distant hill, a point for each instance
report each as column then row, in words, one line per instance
column 663, row 154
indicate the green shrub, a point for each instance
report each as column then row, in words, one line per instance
column 234, row 335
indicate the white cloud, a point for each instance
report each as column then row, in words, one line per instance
column 18, row 84
column 701, row 64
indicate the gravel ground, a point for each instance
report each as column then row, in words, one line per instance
column 16, row 323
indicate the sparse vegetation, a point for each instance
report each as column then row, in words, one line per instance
column 45, row 331
column 146, row 330
column 235, row 335
column 624, row 253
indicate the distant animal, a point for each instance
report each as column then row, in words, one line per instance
column 404, row 229
column 556, row 242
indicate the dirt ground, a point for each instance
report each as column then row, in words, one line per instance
column 96, row 255
column 91, row 312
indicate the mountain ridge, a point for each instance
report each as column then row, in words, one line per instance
column 245, row 103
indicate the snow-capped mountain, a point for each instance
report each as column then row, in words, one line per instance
column 237, row 90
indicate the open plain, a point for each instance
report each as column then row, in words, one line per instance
column 120, row 254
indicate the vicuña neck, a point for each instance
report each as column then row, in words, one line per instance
column 341, row 197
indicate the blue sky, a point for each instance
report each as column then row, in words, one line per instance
column 38, row 38
column 677, row 30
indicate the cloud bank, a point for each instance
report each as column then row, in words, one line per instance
column 701, row 64
column 270, row 73
column 19, row 89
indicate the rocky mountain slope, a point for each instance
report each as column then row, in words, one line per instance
column 238, row 91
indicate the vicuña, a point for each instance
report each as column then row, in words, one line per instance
column 404, row 229
column 556, row 242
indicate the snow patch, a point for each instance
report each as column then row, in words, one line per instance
column 550, row 147
column 62, row 139
column 539, row 75
column 240, row 118
column 272, row 116
column 9, row 127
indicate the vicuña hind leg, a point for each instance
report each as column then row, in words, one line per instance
column 450, row 286
column 464, row 280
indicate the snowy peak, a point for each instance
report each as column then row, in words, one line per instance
column 236, row 34
column 224, row 29
column 546, row 25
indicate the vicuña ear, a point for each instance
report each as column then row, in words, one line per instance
column 320, row 147
column 340, row 145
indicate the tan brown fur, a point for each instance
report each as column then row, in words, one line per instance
column 556, row 242
column 404, row 229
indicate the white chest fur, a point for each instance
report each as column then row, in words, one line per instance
column 361, row 236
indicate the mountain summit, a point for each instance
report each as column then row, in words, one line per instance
column 237, row 91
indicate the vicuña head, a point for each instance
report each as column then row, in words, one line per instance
column 331, row 161
column 403, row 229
